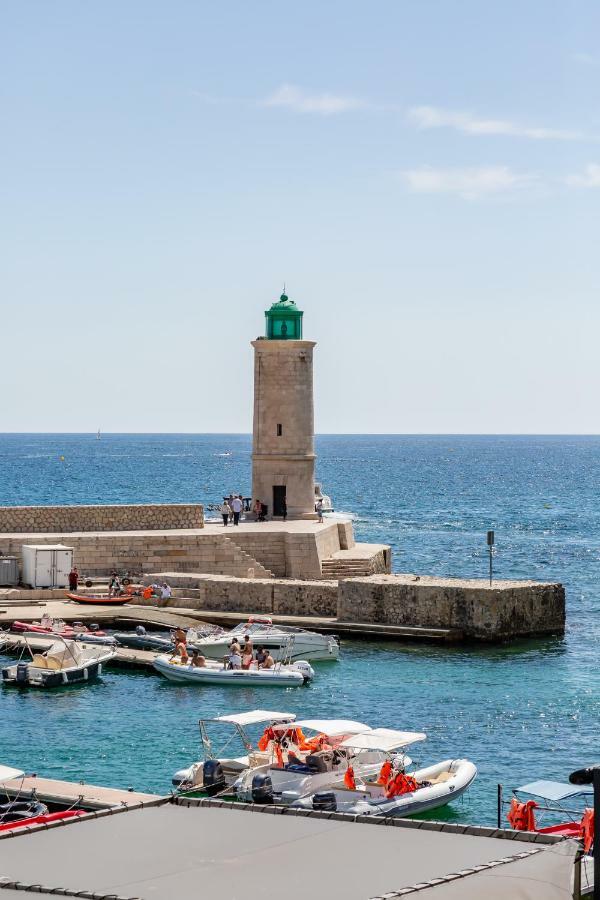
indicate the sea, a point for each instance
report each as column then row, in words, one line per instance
column 522, row 711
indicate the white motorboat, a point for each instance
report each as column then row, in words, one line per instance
column 292, row 675
column 284, row 642
column 65, row 662
column 393, row 792
column 309, row 759
column 216, row 772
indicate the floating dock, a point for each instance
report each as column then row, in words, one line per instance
column 70, row 793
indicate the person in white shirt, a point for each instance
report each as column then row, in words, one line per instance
column 225, row 509
column 165, row 591
column 237, row 505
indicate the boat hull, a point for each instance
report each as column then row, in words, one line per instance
column 279, row 648
column 99, row 600
column 216, row 674
column 42, row 678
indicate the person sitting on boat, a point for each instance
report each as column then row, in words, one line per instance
column 198, row 661
column 269, row 661
column 247, row 652
column 261, row 655
column 181, row 651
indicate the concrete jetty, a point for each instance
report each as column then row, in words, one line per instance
column 74, row 793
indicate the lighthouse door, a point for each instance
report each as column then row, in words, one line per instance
column 278, row 499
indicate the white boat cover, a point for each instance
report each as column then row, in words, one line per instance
column 330, row 727
column 255, row 716
column 383, row 739
column 7, row 773
column 66, row 654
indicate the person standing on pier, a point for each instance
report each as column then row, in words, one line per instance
column 225, row 511
column 73, row 579
column 237, row 506
column 284, row 509
column 319, row 509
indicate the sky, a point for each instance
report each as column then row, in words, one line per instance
column 423, row 176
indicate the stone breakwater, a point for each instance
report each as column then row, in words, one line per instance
column 506, row 609
column 467, row 608
column 65, row 519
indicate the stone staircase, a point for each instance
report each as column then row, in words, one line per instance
column 224, row 557
column 335, row 568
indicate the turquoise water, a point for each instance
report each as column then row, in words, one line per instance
column 519, row 712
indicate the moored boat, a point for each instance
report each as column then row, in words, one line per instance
column 17, row 814
column 292, row 675
column 216, row 773
column 100, row 599
column 392, row 791
column 284, row 642
column 65, row 662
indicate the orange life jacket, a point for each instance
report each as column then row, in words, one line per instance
column 279, row 755
column 267, row 736
column 349, row 780
column 587, row 829
column 147, row 593
column 401, row 784
column 385, row 772
column 315, row 744
column 521, row 816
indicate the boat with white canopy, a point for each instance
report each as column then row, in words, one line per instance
column 218, row 770
column 309, row 758
column 391, row 791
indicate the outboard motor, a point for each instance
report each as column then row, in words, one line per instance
column 22, row 672
column 213, row 777
column 140, row 630
column 262, row 788
column 94, row 626
column 324, row 801
column 306, row 670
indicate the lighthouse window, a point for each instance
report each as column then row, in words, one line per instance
column 279, row 430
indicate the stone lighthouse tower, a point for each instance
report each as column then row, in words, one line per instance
column 283, row 455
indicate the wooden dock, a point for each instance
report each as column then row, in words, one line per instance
column 71, row 793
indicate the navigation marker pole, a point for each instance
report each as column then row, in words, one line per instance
column 490, row 542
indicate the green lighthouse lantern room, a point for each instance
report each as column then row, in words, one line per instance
column 284, row 320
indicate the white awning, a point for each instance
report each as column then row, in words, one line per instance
column 254, row 716
column 383, row 739
column 7, row 773
column 330, row 727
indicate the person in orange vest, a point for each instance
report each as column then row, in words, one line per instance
column 587, row 829
column 384, row 773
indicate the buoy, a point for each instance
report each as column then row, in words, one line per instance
column 62, row 459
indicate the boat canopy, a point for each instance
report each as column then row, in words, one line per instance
column 330, row 727
column 383, row 739
column 7, row 773
column 553, row 790
column 255, row 716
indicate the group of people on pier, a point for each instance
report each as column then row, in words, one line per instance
column 234, row 506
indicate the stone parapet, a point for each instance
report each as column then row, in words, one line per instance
column 507, row 609
column 66, row 519
column 278, row 596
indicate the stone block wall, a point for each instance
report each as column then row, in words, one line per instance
column 279, row 597
column 99, row 554
column 507, row 609
column 66, row 519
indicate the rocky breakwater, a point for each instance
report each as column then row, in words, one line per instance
column 505, row 610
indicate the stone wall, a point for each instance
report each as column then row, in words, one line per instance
column 144, row 517
column 277, row 596
column 507, row 609
column 101, row 553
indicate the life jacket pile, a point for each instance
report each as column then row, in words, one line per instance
column 349, row 779
column 293, row 735
column 521, row 816
column 384, row 773
column 401, row 784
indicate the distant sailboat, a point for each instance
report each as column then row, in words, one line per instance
column 98, row 435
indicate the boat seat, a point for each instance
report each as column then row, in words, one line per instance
column 441, row 778
column 39, row 661
column 258, row 758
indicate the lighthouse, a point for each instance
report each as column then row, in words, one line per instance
column 283, row 454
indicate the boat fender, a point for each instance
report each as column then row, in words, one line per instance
column 213, row 777
column 262, row 788
column 15, row 812
column 324, row 801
